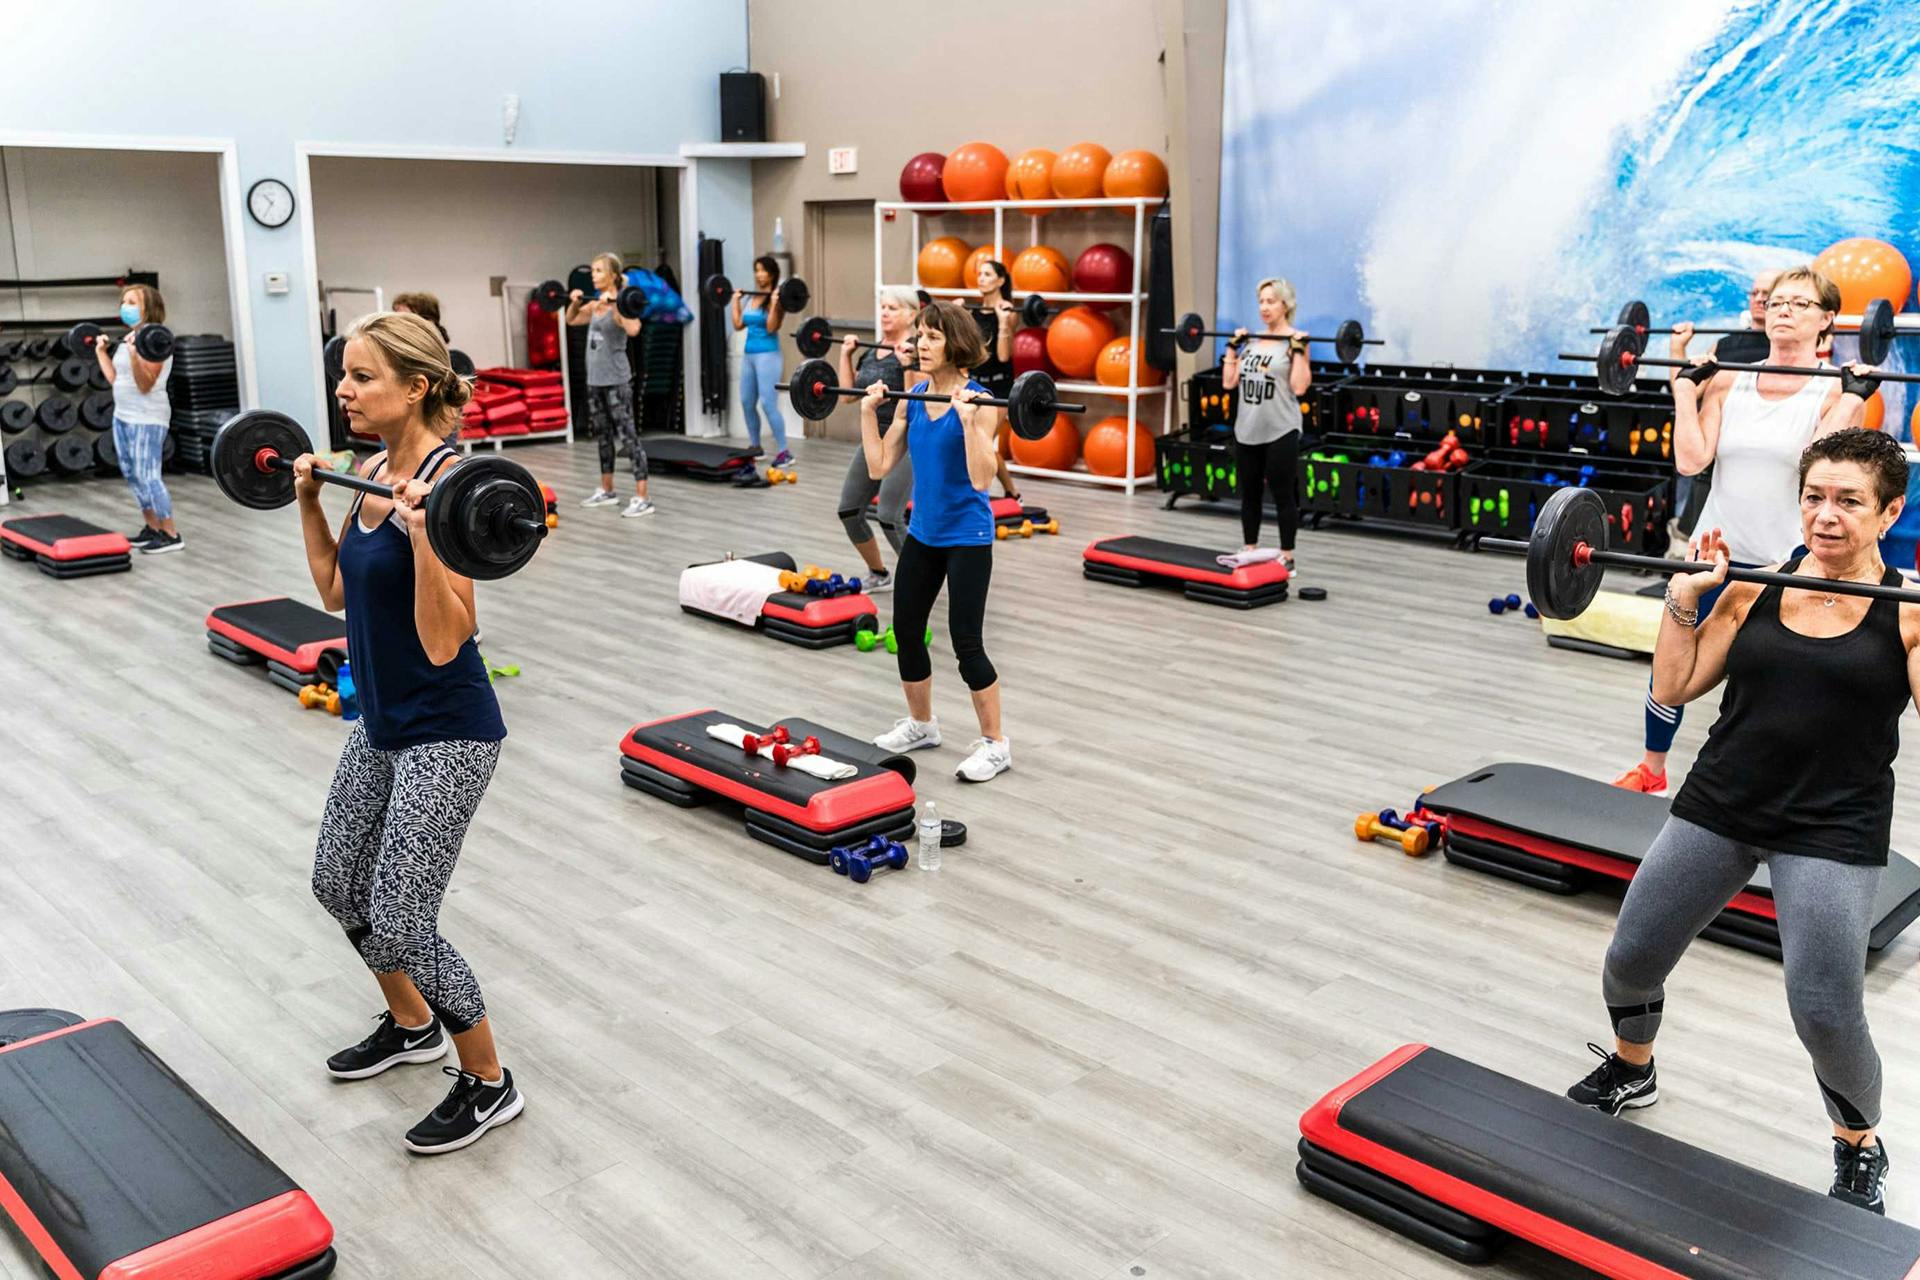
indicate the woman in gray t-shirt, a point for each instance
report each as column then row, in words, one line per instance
column 610, row 382
column 1271, row 371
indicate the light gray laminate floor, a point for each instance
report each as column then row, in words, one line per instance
column 1080, row 1050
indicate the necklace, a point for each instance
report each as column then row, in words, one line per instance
column 1879, row 572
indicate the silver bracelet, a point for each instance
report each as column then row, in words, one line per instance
column 1685, row 617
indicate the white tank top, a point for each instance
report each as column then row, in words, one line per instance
column 1755, row 498
column 129, row 405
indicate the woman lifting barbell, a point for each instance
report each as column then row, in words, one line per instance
column 998, row 318
column 1796, row 774
column 1272, row 372
column 758, row 312
column 142, row 412
column 1751, row 427
column 610, row 382
column 950, row 536
column 885, row 362
column 421, row 755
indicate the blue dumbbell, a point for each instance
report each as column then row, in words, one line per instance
column 859, row 862
column 1499, row 605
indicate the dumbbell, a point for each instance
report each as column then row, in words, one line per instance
column 318, row 695
column 1499, row 605
column 752, row 742
column 859, row 862
column 834, row 586
column 1413, row 841
column 154, row 342
column 1416, row 817
column 782, row 475
column 784, row 753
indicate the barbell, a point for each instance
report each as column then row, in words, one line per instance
column 1347, row 338
column 630, row 301
column 1567, row 557
column 1874, row 326
column 1620, row 354
column 792, row 292
column 815, row 338
column 1031, row 405
column 1034, row 312
column 485, row 515
column 154, row 342
column 336, row 357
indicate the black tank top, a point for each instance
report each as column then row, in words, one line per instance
column 1801, row 758
column 993, row 373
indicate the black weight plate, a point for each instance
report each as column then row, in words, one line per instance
column 1560, row 587
column 8, row 380
column 56, row 415
column 550, row 296
column 814, row 337
column 717, row 289
column 82, row 337
column 1031, row 405
column 1636, row 317
column 15, row 416
column 71, row 374
column 953, row 833
column 13, row 348
column 24, row 1024
column 470, row 513
column 72, row 455
column 235, row 448
column 41, row 348
column 335, row 354
column 631, row 302
column 97, row 378
column 811, row 391
column 794, row 294
column 1876, row 331
column 1618, row 359
column 26, row 459
column 105, row 454
column 1313, row 593
column 97, row 410
column 462, row 362
column 154, row 342
column 1190, row 332
column 1034, row 311
column 1348, row 339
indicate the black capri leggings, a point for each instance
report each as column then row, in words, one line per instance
column 1278, row 465
column 916, row 584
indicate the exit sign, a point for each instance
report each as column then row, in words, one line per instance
column 843, row 159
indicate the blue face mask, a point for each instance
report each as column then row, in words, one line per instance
column 129, row 314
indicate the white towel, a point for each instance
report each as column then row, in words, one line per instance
column 733, row 589
column 819, row 766
column 1241, row 559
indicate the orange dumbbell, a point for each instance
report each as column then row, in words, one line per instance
column 1412, row 841
column 1022, row 530
column 318, row 695
column 782, row 475
column 1051, row 526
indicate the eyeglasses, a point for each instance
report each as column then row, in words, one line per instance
column 1799, row 306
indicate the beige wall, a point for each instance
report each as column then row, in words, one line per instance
column 449, row 226
column 1063, row 73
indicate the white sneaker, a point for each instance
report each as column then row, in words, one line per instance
column 989, row 759
column 600, row 498
column 909, row 734
column 638, row 507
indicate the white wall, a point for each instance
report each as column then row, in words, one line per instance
column 447, row 226
column 639, row 77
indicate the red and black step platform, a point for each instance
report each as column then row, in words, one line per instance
column 1008, row 511
column 1137, row 562
column 701, row 459
column 113, row 1168
column 812, row 622
column 300, row 644
column 1560, row 832
column 1460, row 1159
column 677, row 760
column 66, row 546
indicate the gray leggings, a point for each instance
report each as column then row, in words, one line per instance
column 858, row 490
column 1825, row 911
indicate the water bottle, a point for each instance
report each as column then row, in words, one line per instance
column 349, row 701
column 929, row 837
column 779, row 237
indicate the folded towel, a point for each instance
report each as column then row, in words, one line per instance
column 1241, row 559
column 819, row 766
column 733, row 589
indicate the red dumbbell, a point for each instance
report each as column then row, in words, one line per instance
column 807, row 746
column 752, row 742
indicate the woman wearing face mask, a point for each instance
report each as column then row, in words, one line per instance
column 610, row 382
column 1796, row 775
column 759, row 315
column 1272, row 372
column 141, row 414
column 886, row 364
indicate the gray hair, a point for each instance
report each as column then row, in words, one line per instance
column 1284, row 288
column 900, row 296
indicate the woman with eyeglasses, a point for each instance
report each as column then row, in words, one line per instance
column 1751, row 428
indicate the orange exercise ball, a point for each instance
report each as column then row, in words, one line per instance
column 1075, row 340
column 1106, row 448
column 970, row 274
column 1040, row 268
column 1866, row 269
column 1876, row 412
column 1136, row 175
column 1006, row 439
column 1117, row 359
column 1056, row 451
column 941, row 261
column 1079, row 172
column 1030, row 177
column 975, row 171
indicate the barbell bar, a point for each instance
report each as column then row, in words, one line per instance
column 1031, row 405
column 1874, row 326
column 1620, row 355
column 792, row 292
column 1347, row 338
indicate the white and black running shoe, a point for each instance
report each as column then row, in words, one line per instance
column 390, row 1045
column 470, row 1108
column 1615, row 1085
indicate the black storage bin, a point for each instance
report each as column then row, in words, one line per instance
column 1417, row 401
column 1209, row 401
column 1557, row 412
column 1203, row 466
column 1351, row 476
column 1501, row 496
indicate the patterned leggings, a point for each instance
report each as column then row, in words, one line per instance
column 138, row 446
column 610, row 411
column 389, row 839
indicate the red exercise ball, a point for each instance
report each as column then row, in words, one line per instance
column 1106, row 448
column 1080, row 171
column 1030, row 177
column 1118, row 359
column 1075, row 338
column 1103, row 268
column 1136, row 175
column 1866, row 269
column 920, row 179
column 1030, row 351
column 941, row 261
column 1040, row 268
column 1056, row 451
column 975, row 171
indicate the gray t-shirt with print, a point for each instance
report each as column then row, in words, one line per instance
column 1268, row 408
column 607, row 364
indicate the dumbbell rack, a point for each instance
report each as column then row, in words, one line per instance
column 1135, row 302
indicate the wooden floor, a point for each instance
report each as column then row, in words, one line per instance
column 1079, row 1050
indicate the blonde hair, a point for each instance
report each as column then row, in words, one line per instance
column 611, row 261
column 966, row 348
column 412, row 347
column 901, row 296
column 1824, row 289
column 1283, row 288
column 153, row 308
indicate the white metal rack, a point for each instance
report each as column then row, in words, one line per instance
column 1135, row 302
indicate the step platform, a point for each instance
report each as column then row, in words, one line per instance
column 299, row 644
column 1561, row 832
column 678, row 761
column 812, row 622
column 1138, row 562
column 1005, row 510
column 112, row 1167
column 1461, row 1158
column 65, row 546
column 701, row 459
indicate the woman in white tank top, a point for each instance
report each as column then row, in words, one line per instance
column 1750, row 428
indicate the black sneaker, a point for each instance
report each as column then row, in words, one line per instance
column 142, row 538
column 1860, row 1175
column 162, row 542
column 471, row 1108
column 390, row 1045
column 1615, row 1085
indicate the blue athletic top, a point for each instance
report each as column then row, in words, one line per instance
column 758, row 339
column 405, row 700
column 947, row 510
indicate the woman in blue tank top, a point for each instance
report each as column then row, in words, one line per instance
column 419, row 758
column 954, row 451
column 758, row 314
